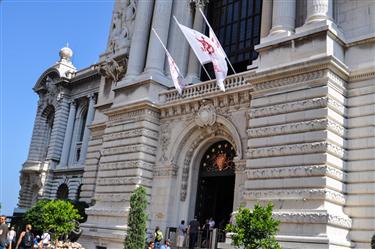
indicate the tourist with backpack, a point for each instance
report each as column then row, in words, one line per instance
column 26, row 239
column 158, row 237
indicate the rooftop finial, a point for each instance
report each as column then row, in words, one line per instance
column 66, row 53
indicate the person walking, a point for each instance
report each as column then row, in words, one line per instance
column 158, row 237
column 12, row 238
column 4, row 243
column 181, row 234
column 26, row 239
column 193, row 232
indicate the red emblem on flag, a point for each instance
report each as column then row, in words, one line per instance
column 206, row 46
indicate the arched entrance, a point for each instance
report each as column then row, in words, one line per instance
column 216, row 182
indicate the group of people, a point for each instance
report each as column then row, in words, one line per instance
column 156, row 242
column 26, row 239
column 182, row 231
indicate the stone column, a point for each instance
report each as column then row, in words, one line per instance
column 283, row 17
column 156, row 54
column 266, row 22
column 319, row 10
column 86, row 134
column 177, row 44
column 194, row 65
column 68, row 135
column 138, row 46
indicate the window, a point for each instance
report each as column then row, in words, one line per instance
column 237, row 26
column 49, row 116
column 62, row 192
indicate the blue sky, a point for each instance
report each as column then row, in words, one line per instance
column 31, row 35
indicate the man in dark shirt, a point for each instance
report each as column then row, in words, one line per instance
column 3, row 231
column 193, row 232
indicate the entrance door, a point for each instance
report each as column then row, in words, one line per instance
column 216, row 184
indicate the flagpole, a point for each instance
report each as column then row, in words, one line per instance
column 178, row 24
column 166, row 51
column 226, row 57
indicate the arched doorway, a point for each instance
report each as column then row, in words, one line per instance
column 62, row 192
column 216, row 182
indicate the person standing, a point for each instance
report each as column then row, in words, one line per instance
column 26, row 239
column 211, row 222
column 166, row 245
column 181, row 234
column 193, row 232
column 45, row 239
column 4, row 244
column 158, row 237
column 12, row 237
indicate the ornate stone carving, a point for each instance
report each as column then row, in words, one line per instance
column 113, row 69
column 122, row 27
column 167, row 170
column 300, row 78
column 296, row 149
column 125, row 165
column 289, row 107
column 130, row 149
column 206, row 116
column 295, row 194
column 164, row 142
column 296, row 171
column 311, row 125
column 131, row 133
column 317, row 217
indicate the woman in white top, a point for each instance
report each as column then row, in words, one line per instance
column 45, row 239
column 11, row 237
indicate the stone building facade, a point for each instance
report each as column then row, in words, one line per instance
column 296, row 121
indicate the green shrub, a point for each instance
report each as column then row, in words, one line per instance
column 373, row 242
column 56, row 216
column 136, row 233
column 255, row 229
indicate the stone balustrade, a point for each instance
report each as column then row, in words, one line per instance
column 204, row 88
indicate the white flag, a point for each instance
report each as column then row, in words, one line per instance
column 221, row 69
column 175, row 74
column 218, row 61
column 217, row 43
column 207, row 50
column 200, row 43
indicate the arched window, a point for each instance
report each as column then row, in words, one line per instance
column 62, row 192
column 49, row 117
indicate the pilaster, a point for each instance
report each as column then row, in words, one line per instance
column 127, row 158
column 58, row 130
column 68, row 134
column 87, row 132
